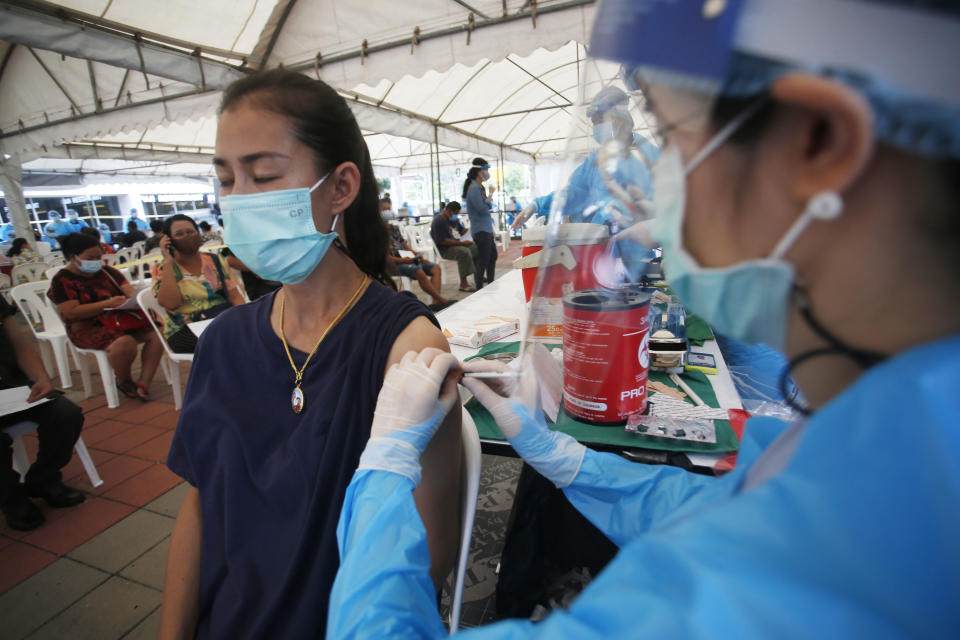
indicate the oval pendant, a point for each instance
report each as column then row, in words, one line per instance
column 296, row 400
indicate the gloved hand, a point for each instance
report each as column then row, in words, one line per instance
column 417, row 393
column 512, row 403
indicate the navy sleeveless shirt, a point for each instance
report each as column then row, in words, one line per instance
column 272, row 482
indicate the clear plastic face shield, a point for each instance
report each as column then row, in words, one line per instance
column 603, row 330
column 592, row 274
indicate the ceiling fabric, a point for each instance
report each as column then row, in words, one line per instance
column 76, row 88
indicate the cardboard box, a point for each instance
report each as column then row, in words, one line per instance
column 481, row 331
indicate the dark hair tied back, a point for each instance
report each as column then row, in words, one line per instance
column 471, row 176
column 321, row 119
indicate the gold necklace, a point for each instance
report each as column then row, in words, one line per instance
column 297, row 400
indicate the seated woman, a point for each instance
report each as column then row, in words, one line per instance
column 20, row 253
column 282, row 392
column 190, row 285
column 83, row 291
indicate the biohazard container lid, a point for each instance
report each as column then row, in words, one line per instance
column 606, row 300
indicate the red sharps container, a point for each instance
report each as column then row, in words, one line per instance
column 605, row 354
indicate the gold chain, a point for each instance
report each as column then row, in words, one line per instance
column 283, row 338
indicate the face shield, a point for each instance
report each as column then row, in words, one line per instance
column 647, row 116
column 592, row 273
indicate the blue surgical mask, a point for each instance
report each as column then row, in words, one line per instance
column 603, row 132
column 90, row 266
column 273, row 233
column 746, row 301
column 386, row 215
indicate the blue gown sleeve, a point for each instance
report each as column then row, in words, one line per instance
column 578, row 196
column 383, row 588
column 544, row 203
column 625, row 499
column 665, row 582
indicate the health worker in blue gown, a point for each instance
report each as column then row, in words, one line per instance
column 73, row 219
column 801, row 153
column 8, row 233
column 55, row 228
column 105, row 232
column 612, row 183
column 135, row 218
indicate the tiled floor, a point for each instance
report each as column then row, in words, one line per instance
column 96, row 570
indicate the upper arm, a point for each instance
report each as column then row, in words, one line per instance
column 438, row 494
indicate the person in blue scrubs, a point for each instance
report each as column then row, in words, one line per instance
column 55, row 228
column 135, row 217
column 105, row 232
column 793, row 169
column 7, row 233
column 611, row 184
column 73, row 219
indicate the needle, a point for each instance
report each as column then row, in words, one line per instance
column 492, row 374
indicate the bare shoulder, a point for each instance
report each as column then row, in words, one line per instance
column 417, row 336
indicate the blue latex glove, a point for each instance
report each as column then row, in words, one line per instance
column 416, row 395
column 555, row 455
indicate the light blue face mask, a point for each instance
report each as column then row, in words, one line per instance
column 90, row 266
column 749, row 300
column 273, row 233
column 603, row 132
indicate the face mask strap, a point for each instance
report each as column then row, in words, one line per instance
column 724, row 134
column 864, row 358
column 826, row 205
column 320, row 182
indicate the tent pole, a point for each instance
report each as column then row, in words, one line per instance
column 12, row 182
column 503, row 189
column 436, row 144
column 93, row 206
column 433, row 195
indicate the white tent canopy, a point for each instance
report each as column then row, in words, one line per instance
column 123, row 80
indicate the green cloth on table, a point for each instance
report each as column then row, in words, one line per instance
column 698, row 331
column 614, row 435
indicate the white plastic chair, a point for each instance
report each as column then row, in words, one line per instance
column 45, row 323
column 43, row 249
column 52, row 271
column 29, row 272
column 21, row 463
column 504, row 238
column 107, row 375
column 55, row 259
column 470, row 486
column 5, row 284
column 171, row 364
column 418, row 237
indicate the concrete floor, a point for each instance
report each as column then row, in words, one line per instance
column 96, row 570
